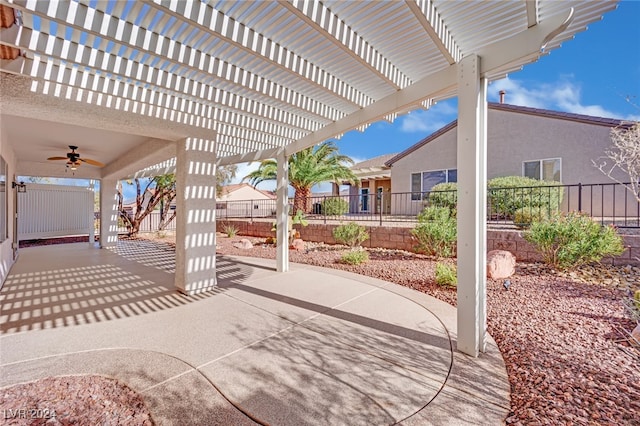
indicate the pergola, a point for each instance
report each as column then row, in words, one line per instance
column 188, row 85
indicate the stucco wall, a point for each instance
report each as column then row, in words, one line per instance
column 436, row 155
column 517, row 137
column 6, row 250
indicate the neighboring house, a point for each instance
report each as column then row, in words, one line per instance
column 374, row 190
column 521, row 141
column 243, row 200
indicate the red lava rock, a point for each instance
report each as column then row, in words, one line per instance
column 75, row 400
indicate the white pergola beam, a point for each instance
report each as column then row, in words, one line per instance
column 146, row 154
column 524, row 45
column 532, row 12
column 325, row 22
column 443, row 81
column 205, row 17
column 426, row 13
column 139, row 97
column 173, row 52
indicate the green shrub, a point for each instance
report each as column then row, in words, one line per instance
column 507, row 194
column 525, row 216
column 444, row 195
column 335, row 206
column 436, row 232
column 230, row 230
column 350, row 234
column 446, row 275
column 571, row 240
column 432, row 213
column 355, row 257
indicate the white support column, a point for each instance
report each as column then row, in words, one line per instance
column 282, row 213
column 472, row 196
column 196, row 216
column 108, row 213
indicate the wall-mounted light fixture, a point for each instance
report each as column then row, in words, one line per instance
column 21, row 186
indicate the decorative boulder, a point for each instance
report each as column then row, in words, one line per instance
column 500, row 264
column 636, row 335
column 243, row 244
column 297, row 244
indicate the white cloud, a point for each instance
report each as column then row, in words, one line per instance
column 357, row 160
column 428, row 121
column 562, row 95
column 245, row 168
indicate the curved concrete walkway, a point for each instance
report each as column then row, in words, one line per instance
column 312, row 346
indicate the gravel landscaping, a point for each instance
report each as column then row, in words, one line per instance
column 561, row 334
column 73, row 400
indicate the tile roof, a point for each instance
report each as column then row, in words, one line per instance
column 374, row 162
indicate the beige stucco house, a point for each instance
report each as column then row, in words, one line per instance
column 521, row 141
column 243, row 200
column 374, row 190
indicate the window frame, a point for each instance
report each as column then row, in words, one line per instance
column 540, row 162
column 420, row 199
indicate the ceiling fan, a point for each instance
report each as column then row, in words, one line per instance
column 74, row 161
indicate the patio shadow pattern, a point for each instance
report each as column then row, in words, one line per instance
column 312, row 346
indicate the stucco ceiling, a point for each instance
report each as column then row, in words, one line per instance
column 35, row 140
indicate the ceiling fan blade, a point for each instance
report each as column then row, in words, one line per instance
column 92, row 162
column 57, row 158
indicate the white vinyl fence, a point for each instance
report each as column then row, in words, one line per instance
column 54, row 211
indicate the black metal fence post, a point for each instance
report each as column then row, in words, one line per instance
column 580, row 196
column 324, row 208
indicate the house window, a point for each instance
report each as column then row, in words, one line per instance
column 548, row 169
column 416, row 186
column 425, row 181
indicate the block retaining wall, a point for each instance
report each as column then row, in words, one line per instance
column 401, row 239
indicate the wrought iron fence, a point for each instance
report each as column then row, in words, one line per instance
column 609, row 203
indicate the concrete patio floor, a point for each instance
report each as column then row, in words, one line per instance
column 311, row 346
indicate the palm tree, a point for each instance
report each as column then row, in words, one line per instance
column 307, row 168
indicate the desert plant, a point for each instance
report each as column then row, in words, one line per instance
column 632, row 303
column 444, row 195
column 573, row 239
column 623, row 157
column 334, row 206
column 525, row 216
column 432, row 213
column 355, row 257
column 350, row 234
column 297, row 219
column 446, row 275
column 230, row 230
column 507, row 194
column 436, row 232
